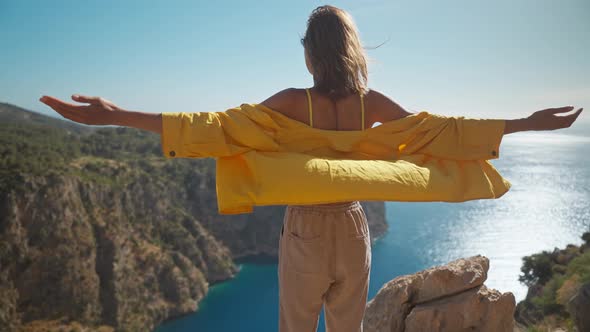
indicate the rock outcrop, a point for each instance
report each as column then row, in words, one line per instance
column 449, row 298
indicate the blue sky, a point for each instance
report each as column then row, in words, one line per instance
column 493, row 59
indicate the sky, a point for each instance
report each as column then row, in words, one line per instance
column 486, row 59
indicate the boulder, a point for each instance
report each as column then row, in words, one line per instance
column 450, row 298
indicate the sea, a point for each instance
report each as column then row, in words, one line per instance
column 547, row 206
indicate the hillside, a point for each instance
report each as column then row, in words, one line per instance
column 98, row 229
column 12, row 114
column 559, row 289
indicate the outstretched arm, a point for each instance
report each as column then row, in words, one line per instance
column 546, row 119
column 103, row 112
column 385, row 109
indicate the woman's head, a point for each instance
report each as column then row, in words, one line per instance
column 333, row 51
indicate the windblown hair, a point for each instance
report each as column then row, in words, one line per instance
column 335, row 52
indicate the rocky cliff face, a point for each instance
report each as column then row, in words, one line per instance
column 448, row 298
column 123, row 258
column 98, row 231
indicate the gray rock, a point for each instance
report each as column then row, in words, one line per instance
column 579, row 308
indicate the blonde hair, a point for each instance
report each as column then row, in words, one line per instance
column 335, row 52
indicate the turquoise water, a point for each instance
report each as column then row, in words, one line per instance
column 548, row 206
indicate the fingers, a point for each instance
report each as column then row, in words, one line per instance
column 67, row 113
column 67, row 110
column 86, row 99
column 52, row 101
column 566, row 121
column 575, row 115
column 559, row 109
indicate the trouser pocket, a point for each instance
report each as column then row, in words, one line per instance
column 357, row 242
column 303, row 242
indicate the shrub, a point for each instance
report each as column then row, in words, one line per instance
column 536, row 269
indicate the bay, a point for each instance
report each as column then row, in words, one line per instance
column 547, row 206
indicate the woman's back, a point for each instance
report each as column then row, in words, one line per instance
column 343, row 114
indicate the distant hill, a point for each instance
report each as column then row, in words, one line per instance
column 13, row 114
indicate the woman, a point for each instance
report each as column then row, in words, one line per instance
column 324, row 250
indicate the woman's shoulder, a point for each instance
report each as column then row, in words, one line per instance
column 383, row 108
column 379, row 106
column 284, row 96
column 285, row 101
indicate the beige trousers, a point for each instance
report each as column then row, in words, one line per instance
column 324, row 259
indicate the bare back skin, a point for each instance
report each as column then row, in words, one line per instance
column 344, row 114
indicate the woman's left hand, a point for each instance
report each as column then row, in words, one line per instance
column 99, row 111
column 548, row 119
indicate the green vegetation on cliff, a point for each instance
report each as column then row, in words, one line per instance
column 553, row 279
column 103, row 155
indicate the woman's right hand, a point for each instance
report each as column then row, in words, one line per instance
column 98, row 112
column 548, row 119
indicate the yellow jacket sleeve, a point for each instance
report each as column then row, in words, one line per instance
column 457, row 138
column 212, row 134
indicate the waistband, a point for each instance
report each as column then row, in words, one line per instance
column 332, row 207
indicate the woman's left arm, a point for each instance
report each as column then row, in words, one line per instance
column 103, row 112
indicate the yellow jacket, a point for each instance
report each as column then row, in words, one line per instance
column 266, row 158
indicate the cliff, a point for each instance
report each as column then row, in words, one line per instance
column 559, row 289
column 98, row 231
column 98, row 254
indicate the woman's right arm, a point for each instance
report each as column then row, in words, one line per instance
column 140, row 120
column 543, row 120
column 103, row 112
